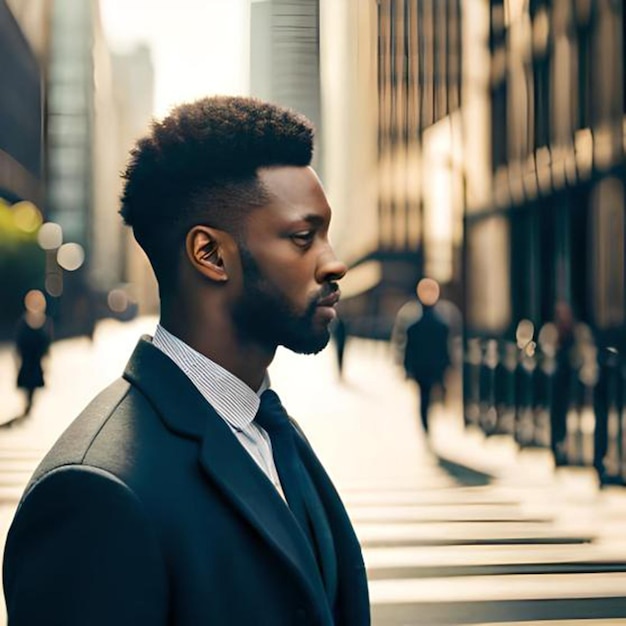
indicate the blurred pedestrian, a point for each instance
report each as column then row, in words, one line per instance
column 426, row 352
column 185, row 494
column 32, row 341
column 608, row 394
column 562, row 387
column 84, row 314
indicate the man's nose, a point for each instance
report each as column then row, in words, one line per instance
column 329, row 267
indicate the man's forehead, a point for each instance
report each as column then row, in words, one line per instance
column 296, row 190
column 280, row 178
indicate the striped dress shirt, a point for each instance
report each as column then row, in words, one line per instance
column 235, row 402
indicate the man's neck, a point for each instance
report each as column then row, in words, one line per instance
column 248, row 362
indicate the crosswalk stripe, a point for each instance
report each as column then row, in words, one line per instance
column 440, row 513
column 468, row 530
column 450, row 556
column 486, row 612
column 494, row 588
column 503, row 569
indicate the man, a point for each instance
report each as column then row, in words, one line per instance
column 608, row 397
column 426, row 353
column 562, row 381
column 170, row 501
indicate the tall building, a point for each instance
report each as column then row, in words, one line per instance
column 21, row 156
column 548, row 242
column 82, row 163
column 555, row 226
column 133, row 87
column 70, row 119
column 284, row 56
column 21, row 118
column 391, row 77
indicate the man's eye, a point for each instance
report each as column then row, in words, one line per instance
column 303, row 238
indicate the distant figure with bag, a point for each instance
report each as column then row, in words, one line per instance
column 426, row 353
column 32, row 341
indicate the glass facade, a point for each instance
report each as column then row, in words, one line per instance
column 70, row 118
column 20, row 113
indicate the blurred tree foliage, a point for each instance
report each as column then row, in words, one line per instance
column 22, row 267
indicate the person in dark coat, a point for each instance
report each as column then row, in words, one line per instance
column 608, row 395
column 184, row 494
column 32, row 341
column 562, row 380
column 426, row 352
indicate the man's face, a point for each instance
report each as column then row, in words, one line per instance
column 289, row 267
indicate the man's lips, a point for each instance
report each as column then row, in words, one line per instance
column 330, row 300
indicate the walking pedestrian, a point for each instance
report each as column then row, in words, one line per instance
column 608, row 395
column 562, row 381
column 426, row 352
column 184, row 494
column 32, row 341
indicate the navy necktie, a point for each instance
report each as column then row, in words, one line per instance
column 273, row 418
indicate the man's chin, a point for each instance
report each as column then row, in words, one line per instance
column 312, row 344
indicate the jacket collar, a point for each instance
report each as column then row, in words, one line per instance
column 224, row 461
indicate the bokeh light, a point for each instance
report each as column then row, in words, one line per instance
column 54, row 284
column 26, row 216
column 70, row 256
column 548, row 338
column 524, row 333
column 117, row 300
column 50, row 236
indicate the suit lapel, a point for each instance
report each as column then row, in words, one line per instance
column 224, row 461
column 230, row 466
column 352, row 599
column 323, row 537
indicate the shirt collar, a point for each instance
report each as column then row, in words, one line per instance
column 232, row 399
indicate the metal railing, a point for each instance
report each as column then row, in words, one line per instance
column 572, row 402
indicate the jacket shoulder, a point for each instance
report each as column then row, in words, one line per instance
column 73, row 445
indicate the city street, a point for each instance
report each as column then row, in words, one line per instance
column 461, row 530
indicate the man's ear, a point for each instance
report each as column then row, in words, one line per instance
column 204, row 250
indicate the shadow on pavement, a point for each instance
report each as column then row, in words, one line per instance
column 466, row 476
column 14, row 420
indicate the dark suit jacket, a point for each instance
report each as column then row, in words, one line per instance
column 148, row 512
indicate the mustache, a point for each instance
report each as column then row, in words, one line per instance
column 327, row 290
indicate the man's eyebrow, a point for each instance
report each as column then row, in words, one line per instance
column 313, row 218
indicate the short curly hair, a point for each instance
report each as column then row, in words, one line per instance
column 199, row 165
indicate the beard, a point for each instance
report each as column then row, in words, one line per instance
column 263, row 315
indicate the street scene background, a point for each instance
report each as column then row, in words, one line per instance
column 475, row 148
